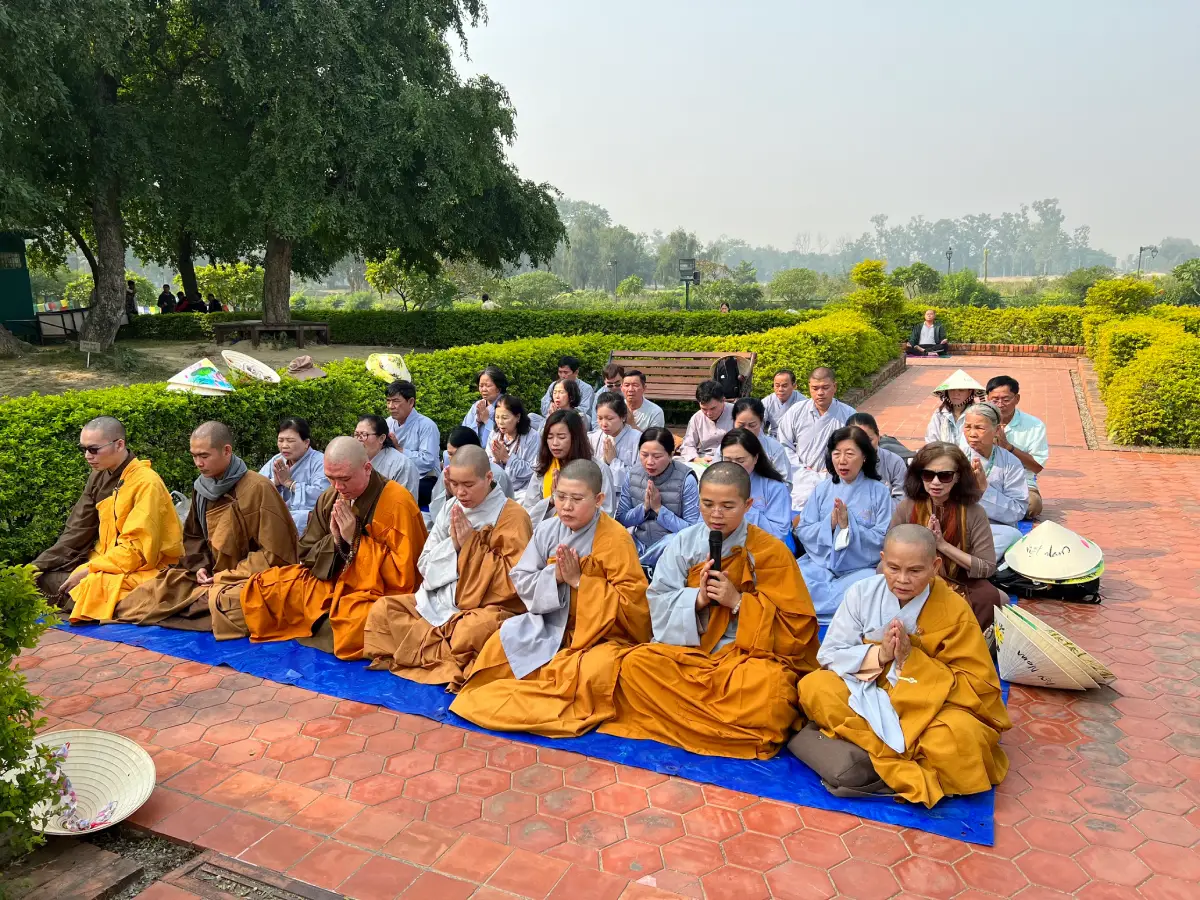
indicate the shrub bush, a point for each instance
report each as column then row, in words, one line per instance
column 438, row 330
column 46, row 472
column 28, row 782
column 1155, row 399
column 1051, row 325
column 1121, row 296
column 1118, row 341
column 1187, row 316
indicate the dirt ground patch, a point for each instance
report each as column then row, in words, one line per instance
column 56, row 369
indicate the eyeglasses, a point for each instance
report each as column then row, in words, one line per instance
column 363, row 435
column 929, row 475
column 92, row 451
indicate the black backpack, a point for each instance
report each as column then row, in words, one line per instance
column 727, row 374
column 1014, row 583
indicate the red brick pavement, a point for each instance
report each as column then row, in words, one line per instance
column 1102, row 802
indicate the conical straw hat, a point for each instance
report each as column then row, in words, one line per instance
column 959, row 381
column 202, row 377
column 1024, row 660
column 250, row 366
column 388, row 367
column 104, row 768
column 1044, row 637
column 1053, row 553
column 1094, row 668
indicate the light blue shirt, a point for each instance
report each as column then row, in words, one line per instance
column 772, row 509
column 309, row 476
column 419, row 439
column 805, row 432
column 775, row 410
column 1028, row 434
column 586, row 402
column 470, row 420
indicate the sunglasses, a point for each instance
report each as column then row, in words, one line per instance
column 929, row 475
column 92, row 451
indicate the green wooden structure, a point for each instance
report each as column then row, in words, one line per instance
column 16, row 293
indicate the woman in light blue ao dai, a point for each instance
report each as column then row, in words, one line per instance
column 772, row 509
column 844, row 522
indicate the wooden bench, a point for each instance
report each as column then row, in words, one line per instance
column 674, row 376
column 255, row 329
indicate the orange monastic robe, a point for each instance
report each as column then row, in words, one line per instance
column 571, row 692
column 139, row 537
column 467, row 592
column 284, row 603
column 947, row 698
column 714, row 683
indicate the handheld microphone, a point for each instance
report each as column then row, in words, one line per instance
column 715, row 539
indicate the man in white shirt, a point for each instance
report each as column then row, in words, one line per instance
column 783, row 397
column 805, row 429
column 928, row 338
column 1022, row 435
column 416, row 435
column 568, row 370
column 645, row 412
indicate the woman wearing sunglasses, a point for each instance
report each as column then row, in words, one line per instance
column 942, row 493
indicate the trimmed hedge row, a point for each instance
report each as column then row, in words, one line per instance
column 441, row 330
column 1155, row 399
column 45, row 471
column 1053, row 325
column 1118, row 341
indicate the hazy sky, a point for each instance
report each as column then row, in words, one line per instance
column 764, row 118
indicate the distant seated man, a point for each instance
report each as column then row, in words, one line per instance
column 702, row 440
column 135, row 534
column 434, row 634
column 362, row 542
column 238, row 525
column 928, row 338
column 568, row 370
column 553, row 670
column 644, row 413
column 906, row 676
column 1022, row 435
column 731, row 637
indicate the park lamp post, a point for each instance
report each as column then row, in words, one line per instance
column 689, row 275
column 949, row 254
column 1153, row 253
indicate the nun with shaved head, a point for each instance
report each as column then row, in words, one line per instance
column 906, row 677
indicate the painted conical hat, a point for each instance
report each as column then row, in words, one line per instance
column 1023, row 659
column 1094, row 668
column 250, row 366
column 388, row 367
column 959, row 381
column 201, row 377
column 1053, row 553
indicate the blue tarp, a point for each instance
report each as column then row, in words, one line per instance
column 783, row 778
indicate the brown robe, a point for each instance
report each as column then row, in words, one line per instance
column 289, row 602
column 981, row 595
column 73, row 547
column 249, row 530
column 397, row 636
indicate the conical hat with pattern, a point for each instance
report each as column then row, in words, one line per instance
column 959, row 381
column 1053, row 553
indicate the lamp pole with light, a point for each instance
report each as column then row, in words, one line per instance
column 1153, row 253
column 949, row 254
column 689, row 275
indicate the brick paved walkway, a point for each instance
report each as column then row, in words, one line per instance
column 1102, row 803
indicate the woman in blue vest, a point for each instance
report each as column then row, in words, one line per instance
column 660, row 497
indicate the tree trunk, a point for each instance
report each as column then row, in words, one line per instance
column 9, row 345
column 109, row 300
column 277, row 281
column 186, row 265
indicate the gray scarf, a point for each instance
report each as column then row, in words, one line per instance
column 210, row 489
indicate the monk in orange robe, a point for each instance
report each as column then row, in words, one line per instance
column 434, row 635
column 907, row 677
column 237, row 525
column 731, row 641
column 362, row 541
column 552, row 671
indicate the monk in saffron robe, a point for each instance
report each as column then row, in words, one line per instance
column 553, row 670
column 731, row 641
column 362, row 541
column 907, row 677
column 433, row 635
column 238, row 525
column 138, row 531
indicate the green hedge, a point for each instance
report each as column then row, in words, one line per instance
column 1155, row 399
column 1118, row 341
column 1053, row 325
column 1187, row 316
column 455, row 328
column 45, row 472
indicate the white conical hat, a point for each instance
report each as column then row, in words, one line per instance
column 110, row 778
column 1026, row 657
column 250, row 366
column 202, row 377
column 1053, row 553
column 1094, row 668
column 388, row 367
column 959, row 381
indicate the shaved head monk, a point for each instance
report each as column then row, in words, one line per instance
column 127, row 520
column 906, row 676
column 237, row 525
column 362, row 542
column 734, row 630
column 433, row 635
column 552, row 670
